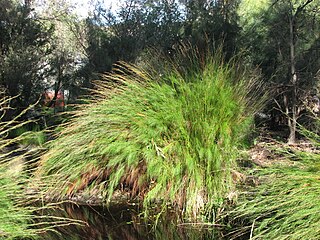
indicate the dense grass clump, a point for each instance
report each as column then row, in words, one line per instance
column 165, row 138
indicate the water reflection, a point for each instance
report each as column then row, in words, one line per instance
column 120, row 223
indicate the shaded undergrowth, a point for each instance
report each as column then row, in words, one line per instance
column 168, row 138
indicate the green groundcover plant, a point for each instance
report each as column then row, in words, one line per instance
column 166, row 137
column 13, row 216
column 287, row 203
column 21, row 216
column 20, row 213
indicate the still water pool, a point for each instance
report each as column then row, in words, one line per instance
column 123, row 223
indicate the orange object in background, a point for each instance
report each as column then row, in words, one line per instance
column 48, row 97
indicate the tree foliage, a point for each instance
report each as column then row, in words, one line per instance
column 24, row 46
column 281, row 37
column 53, row 48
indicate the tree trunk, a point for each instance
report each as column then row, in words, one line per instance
column 57, row 85
column 295, row 108
column 293, row 116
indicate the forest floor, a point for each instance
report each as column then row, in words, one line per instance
column 270, row 150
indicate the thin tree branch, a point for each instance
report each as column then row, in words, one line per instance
column 301, row 7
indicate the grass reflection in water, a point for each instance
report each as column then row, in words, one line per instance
column 122, row 223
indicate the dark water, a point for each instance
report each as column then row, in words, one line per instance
column 123, row 223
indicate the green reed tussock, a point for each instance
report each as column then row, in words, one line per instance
column 169, row 138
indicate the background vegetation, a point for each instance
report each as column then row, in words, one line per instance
column 46, row 46
column 163, row 128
